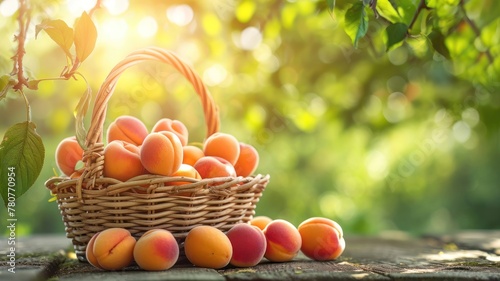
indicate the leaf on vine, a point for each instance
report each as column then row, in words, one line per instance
column 59, row 32
column 396, row 33
column 331, row 5
column 80, row 112
column 356, row 21
column 85, row 36
column 438, row 43
column 33, row 84
column 407, row 9
column 388, row 10
column 5, row 83
column 22, row 154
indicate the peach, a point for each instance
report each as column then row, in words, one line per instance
column 191, row 154
column 222, row 145
column 249, row 245
column 213, row 167
column 260, row 221
column 111, row 249
column 322, row 239
column 161, row 153
column 68, row 153
column 283, row 241
column 156, row 249
column 187, row 171
column 122, row 161
column 174, row 126
column 247, row 161
column 207, row 246
column 127, row 128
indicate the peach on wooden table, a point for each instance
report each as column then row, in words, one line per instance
column 283, row 241
column 322, row 238
column 156, row 249
column 249, row 245
column 111, row 249
column 207, row 246
column 260, row 221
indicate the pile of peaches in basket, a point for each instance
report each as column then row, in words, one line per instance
column 133, row 151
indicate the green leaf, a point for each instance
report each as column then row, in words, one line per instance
column 356, row 22
column 80, row 112
column 21, row 159
column 407, row 9
column 59, row 32
column 33, row 84
column 85, row 36
column 438, row 43
column 5, row 83
column 330, row 4
column 388, row 10
column 396, row 33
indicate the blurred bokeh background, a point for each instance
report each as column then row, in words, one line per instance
column 404, row 140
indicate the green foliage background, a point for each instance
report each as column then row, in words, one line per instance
column 377, row 140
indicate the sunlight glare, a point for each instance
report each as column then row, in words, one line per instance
column 114, row 30
column 376, row 165
column 181, row 15
column 116, row 7
column 76, row 7
column 461, row 131
column 8, row 7
column 147, row 27
column 215, row 75
column 250, row 38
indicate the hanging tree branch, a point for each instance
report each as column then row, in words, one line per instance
column 23, row 21
column 475, row 29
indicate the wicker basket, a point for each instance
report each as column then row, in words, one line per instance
column 92, row 202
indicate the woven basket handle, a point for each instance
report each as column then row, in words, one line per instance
column 95, row 132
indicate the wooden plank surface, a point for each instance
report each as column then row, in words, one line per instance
column 467, row 255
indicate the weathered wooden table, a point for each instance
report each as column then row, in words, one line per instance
column 467, row 255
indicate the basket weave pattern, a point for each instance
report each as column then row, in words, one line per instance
column 92, row 202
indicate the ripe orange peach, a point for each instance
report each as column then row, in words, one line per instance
column 111, row 249
column 122, row 161
column 161, row 153
column 213, row 167
column 127, row 128
column 222, row 145
column 187, row 171
column 249, row 245
column 247, row 161
column 191, row 154
column 283, row 241
column 68, row 153
column 207, row 246
column 156, row 249
column 322, row 238
column 174, row 126
column 260, row 221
